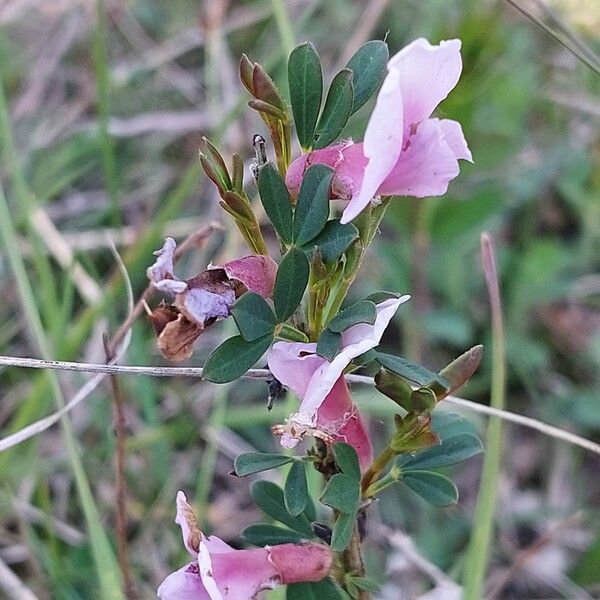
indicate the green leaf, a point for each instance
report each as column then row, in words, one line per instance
column 346, row 459
column 305, row 80
column 269, row 498
column 452, row 450
column 329, row 344
column 361, row 312
column 408, row 370
column 326, row 589
column 368, row 66
column 447, row 424
column 435, row 488
column 234, row 357
column 253, row 316
column 364, row 584
column 312, row 207
column 255, row 462
column 276, row 201
column 377, row 297
column 295, row 491
column 342, row 493
column 290, row 283
column 337, row 109
column 300, row 591
column 264, row 534
column 342, row 532
column 333, row 241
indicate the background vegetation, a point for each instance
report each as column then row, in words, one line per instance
column 100, row 121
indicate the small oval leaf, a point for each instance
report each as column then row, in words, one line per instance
column 452, row 450
column 342, row 532
column 276, row 201
column 409, row 370
column 305, row 80
column 368, row 66
column 342, row 493
column 253, row 316
column 312, row 207
column 234, row 357
column 435, row 488
column 264, row 534
column 290, row 283
column 346, row 459
column 333, row 241
column 269, row 498
column 337, row 109
column 361, row 312
column 295, row 491
column 329, row 344
column 256, row 462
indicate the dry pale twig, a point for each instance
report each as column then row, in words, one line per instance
column 12, row 585
column 265, row 375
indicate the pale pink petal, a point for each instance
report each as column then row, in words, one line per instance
column 207, row 571
column 455, row 138
column 301, row 562
column 426, row 167
column 200, row 306
column 382, row 144
column 427, row 74
column 241, row 574
column 161, row 273
column 186, row 519
column 216, row 545
column 293, row 364
column 355, row 341
column 331, row 156
column 339, row 417
column 184, row 584
column 256, row 273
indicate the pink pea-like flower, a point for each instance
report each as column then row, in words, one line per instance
column 220, row 572
column 325, row 402
column 404, row 151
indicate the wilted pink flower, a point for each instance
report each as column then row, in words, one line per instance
column 404, row 152
column 220, row 572
column 201, row 300
column 325, row 404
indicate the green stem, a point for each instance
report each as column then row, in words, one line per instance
column 353, row 561
column 479, row 546
column 374, row 471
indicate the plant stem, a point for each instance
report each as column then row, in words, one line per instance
column 120, row 481
column 374, row 471
column 353, row 561
column 479, row 546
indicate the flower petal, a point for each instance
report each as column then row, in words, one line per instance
column 202, row 307
column 184, row 584
column 455, row 138
column 186, row 519
column 207, row 573
column 293, row 364
column 426, row 167
column 255, row 273
column 161, row 274
column 427, row 74
column 355, row 341
column 382, row 144
column 339, row 417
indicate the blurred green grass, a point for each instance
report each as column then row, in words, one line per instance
column 530, row 113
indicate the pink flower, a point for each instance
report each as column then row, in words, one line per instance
column 203, row 299
column 220, row 572
column 325, row 400
column 404, row 152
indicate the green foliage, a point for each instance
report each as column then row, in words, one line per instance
column 452, row 450
column 312, row 207
column 263, row 534
column 256, row 462
column 368, row 66
column 333, row 241
column 234, row 357
column 361, row 312
column 329, row 344
column 305, row 80
column 276, row 201
column 409, row 370
column 253, row 316
column 337, row 109
column 295, row 491
column 433, row 487
column 346, row 459
column 326, row 589
column 290, row 283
